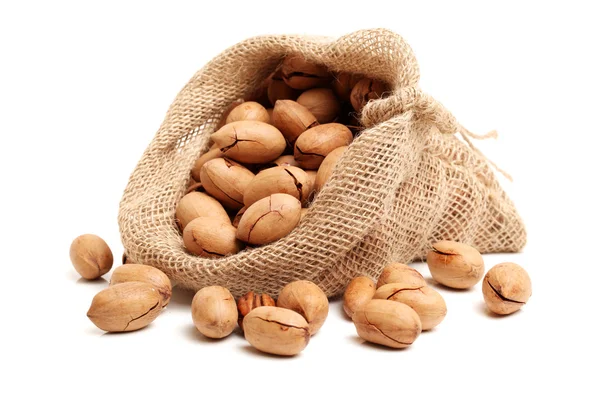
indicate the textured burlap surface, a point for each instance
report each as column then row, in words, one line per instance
column 405, row 182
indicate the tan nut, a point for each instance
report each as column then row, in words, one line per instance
column 327, row 166
column 285, row 161
column 226, row 181
column 251, row 142
column 214, row 312
column 506, row 288
column 308, row 300
column 248, row 111
column 211, row 237
column 145, row 274
column 455, row 265
column 401, row 273
column 322, row 103
column 290, row 180
column 198, row 204
column 203, row 159
column 249, row 302
column 315, row 144
column 292, row 119
column 359, row 292
column 365, row 90
column 301, row 74
column 91, row 256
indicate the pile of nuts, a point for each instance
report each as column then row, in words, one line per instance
column 266, row 164
column 391, row 312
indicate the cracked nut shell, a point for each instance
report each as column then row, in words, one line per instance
column 365, row 90
column 455, row 265
column 327, row 166
column 91, row 256
column 388, row 323
column 401, row 273
column 308, row 300
column 359, row 292
column 211, row 237
column 428, row 304
column 322, row 103
column 301, row 74
column 289, row 180
column 248, row 111
column 214, row 312
column 315, row 144
column 252, row 142
column 249, row 302
column 506, row 288
column 269, row 219
column 125, row 307
column 276, row 330
column 198, row 204
column 226, row 181
column 292, row 119
column 145, row 274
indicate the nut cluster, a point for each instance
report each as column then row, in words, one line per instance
column 270, row 156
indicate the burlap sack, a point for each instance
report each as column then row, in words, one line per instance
column 405, row 182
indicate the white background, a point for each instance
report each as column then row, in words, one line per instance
column 84, row 88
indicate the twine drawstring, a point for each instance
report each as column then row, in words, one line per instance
column 466, row 134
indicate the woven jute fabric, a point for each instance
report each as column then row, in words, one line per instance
column 406, row 181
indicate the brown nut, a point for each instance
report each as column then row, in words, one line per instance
column 359, row 292
column 214, row 312
column 91, row 256
column 290, row 180
column 401, row 273
column 279, row 90
column 269, row 219
column 145, row 274
column 236, row 219
column 321, row 103
column 429, row 304
column 249, row 302
column 308, row 300
column 343, row 83
column 388, row 323
column 327, row 166
column 506, row 288
column 366, row 89
column 226, row 181
column 251, row 142
column 455, row 265
column 211, row 237
column 285, row 161
column 276, row 330
column 292, row 119
column 248, row 111
column 125, row 307
column 198, row 204
column 301, row 74
column 204, row 158
column 315, row 144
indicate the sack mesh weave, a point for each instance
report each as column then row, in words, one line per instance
column 405, row 182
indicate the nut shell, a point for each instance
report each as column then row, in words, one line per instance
column 322, row 103
column 91, row 256
column 276, row 330
column 506, row 288
column 290, row 180
column 248, row 111
column 285, row 161
column 211, row 237
column 125, row 307
column 251, row 142
column 388, row 323
column 343, row 83
column 401, row 273
column 214, row 312
column 198, row 204
column 327, row 166
column 279, row 90
column 203, row 159
column 315, row 144
column 145, row 274
column 308, row 300
column 455, row 265
column 269, row 219
column 359, row 292
column 365, row 90
column 249, row 302
column 301, row 74
column 226, row 181
column 292, row 119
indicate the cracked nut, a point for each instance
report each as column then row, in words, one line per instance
column 327, row 166
column 276, row 330
column 145, row 274
column 401, row 273
column 249, row 302
column 315, row 144
column 91, row 256
column 269, row 219
column 203, row 159
column 321, row 103
column 506, row 288
column 226, row 181
column 125, row 307
column 292, row 119
column 214, row 312
column 455, row 265
column 211, row 237
column 248, row 111
column 308, row 300
column 366, row 89
column 279, row 90
column 301, row 74
column 388, row 323
column 428, row 304
column 359, row 292
column 290, row 180
column 198, row 204
column 252, row 142
column 343, row 83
